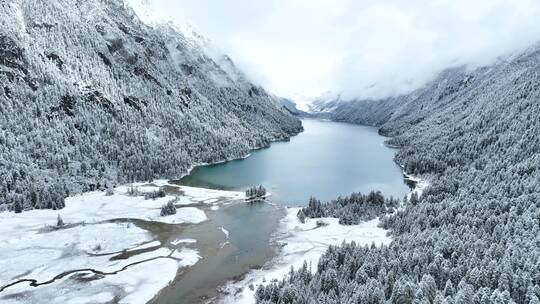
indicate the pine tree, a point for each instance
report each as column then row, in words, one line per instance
column 169, row 208
column 59, row 221
column 17, row 207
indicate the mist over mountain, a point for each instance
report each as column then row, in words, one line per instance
column 432, row 97
column 93, row 95
column 359, row 49
column 472, row 236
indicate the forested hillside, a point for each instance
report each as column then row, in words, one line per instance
column 351, row 210
column 474, row 236
column 91, row 97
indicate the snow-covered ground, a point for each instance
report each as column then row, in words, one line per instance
column 421, row 184
column 308, row 242
column 303, row 242
column 131, row 266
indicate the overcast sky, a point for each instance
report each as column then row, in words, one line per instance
column 360, row 48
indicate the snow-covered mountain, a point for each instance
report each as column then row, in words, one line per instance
column 491, row 107
column 472, row 237
column 501, row 81
column 291, row 106
column 91, row 96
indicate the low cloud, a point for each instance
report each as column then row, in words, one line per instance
column 366, row 49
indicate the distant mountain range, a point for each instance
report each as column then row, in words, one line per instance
column 454, row 90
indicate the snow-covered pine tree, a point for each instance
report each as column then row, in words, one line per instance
column 474, row 135
column 91, row 100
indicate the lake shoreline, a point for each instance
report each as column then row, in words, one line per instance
column 291, row 170
column 202, row 164
column 217, row 227
column 243, row 289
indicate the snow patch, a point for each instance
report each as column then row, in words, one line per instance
column 51, row 253
column 420, row 184
column 188, row 256
column 303, row 242
column 225, row 231
column 20, row 18
column 98, row 234
column 183, row 241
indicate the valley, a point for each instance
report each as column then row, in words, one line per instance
column 212, row 229
column 369, row 152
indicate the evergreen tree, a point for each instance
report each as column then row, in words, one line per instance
column 169, row 208
column 88, row 102
column 59, row 221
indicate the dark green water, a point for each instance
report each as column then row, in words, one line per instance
column 223, row 258
column 327, row 160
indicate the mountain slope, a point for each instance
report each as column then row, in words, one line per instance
column 92, row 97
column 473, row 236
